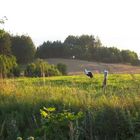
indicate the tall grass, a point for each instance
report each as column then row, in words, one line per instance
column 110, row 114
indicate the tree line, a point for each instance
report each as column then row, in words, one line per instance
column 85, row 47
column 20, row 50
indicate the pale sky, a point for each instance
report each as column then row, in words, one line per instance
column 115, row 22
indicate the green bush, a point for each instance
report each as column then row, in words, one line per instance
column 16, row 71
column 7, row 64
column 31, row 70
column 41, row 68
column 53, row 71
column 60, row 125
column 62, row 68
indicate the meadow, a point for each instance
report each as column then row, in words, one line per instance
column 70, row 108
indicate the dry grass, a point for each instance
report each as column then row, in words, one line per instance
column 78, row 66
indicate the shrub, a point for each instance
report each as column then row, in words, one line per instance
column 41, row 68
column 62, row 68
column 52, row 71
column 60, row 125
column 16, row 71
column 30, row 70
column 7, row 63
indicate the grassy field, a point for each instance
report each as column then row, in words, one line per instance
column 111, row 114
column 75, row 66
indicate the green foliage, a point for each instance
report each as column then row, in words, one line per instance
column 59, row 125
column 3, row 19
column 16, row 71
column 31, row 70
column 113, row 114
column 23, row 48
column 62, row 68
column 84, row 47
column 53, row 71
column 41, row 68
column 7, row 64
column 129, row 56
column 50, row 49
column 29, row 138
column 2, row 32
column 19, row 138
column 5, row 43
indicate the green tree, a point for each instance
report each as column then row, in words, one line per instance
column 2, row 32
column 51, row 49
column 41, row 67
column 71, row 41
column 129, row 56
column 86, row 40
column 2, row 21
column 85, row 47
column 23, row 48
column 5, row 43
column 7, row 64
column 79, row 46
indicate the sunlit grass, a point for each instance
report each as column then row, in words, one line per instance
column 22, row 98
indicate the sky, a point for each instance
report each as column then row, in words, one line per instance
column 115, row 22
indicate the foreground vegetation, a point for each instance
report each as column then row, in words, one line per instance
column 70, row 107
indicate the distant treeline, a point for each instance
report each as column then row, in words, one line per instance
column 85, row 47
